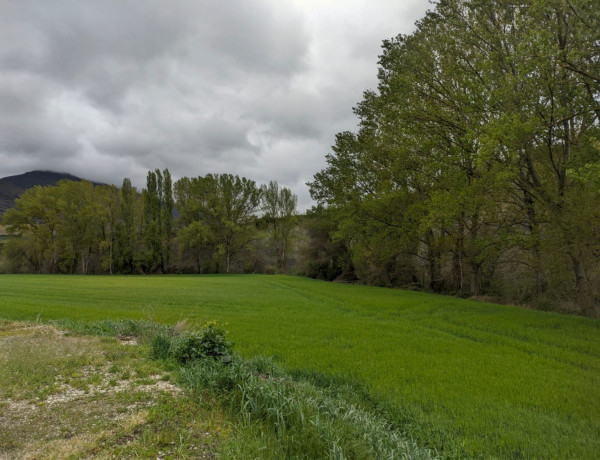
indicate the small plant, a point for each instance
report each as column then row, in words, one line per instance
column 208, row 342
column 161, row 346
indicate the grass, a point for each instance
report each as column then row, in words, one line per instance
column 73, row 396
column 278, row 415
column 465, row 378
column 283, row 416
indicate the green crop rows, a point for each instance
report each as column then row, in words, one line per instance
column 466, row 378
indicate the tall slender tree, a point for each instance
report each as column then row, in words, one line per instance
column 279, row 208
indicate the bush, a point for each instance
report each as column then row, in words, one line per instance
column 209, row 342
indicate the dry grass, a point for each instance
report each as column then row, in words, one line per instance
column 64, row 396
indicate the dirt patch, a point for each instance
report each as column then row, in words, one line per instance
column 128, row 340
column 28, row 329
column 109, row 385
column 64, row 396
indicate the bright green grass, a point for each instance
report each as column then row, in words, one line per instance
column 467, row 378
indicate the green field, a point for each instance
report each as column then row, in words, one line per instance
column 466, row 378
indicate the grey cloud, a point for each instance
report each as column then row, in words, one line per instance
column 21, row 94
column 262, row 37
column 73, row 35
column 107, row 89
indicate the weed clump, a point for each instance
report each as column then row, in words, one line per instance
column 296, row 418
column 210, row 341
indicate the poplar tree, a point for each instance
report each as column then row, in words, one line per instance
column 279, row 208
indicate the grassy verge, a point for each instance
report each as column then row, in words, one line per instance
column 72, row 396
column 68, row 395
column 280, row 415
column 464, row 378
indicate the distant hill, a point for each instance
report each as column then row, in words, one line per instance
column 12, row 187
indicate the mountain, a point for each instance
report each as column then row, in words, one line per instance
column 12, row 187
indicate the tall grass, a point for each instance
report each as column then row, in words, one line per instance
column 297, row 418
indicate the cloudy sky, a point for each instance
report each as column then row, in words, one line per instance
column 107, row 89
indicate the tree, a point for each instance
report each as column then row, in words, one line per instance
column 33, row 224
column 127, row 233
column 158, row 219
column 279, row 207
column 79, row 223
column 469, row 162
column 152, row 222
column 166, row 209
column 109, row 200
column 194, row 239
column 226, row 205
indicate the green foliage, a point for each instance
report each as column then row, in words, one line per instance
column 73, row 227
column 76, row 227
column 158, row 209
column 225, row 207
column 195, row 244
column 324, row 256
column 127, row 238
column 209, row 342
column 161, row 346
column 473, row 165
column 279, row 207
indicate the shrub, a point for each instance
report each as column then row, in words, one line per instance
column 209, row 342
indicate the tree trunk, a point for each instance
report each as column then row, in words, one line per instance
column 475, row 278
column 579, row 272
column 110, row 258
column 541, row 284
column 433, row 257
column 457, row 259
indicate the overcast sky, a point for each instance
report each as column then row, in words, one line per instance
column 107, row 89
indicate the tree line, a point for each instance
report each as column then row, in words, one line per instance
column 215, row 223
column 475, row 168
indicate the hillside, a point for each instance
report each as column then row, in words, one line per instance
column 12, row 187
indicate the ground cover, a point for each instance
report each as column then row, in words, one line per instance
column 67, row 396
column 465, row 378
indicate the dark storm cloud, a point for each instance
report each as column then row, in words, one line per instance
column 111, row 88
